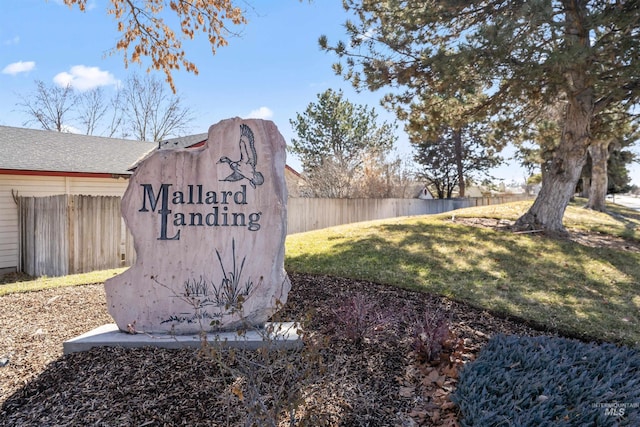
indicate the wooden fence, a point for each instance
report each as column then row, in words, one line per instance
column 305, row 214
column 71, row 234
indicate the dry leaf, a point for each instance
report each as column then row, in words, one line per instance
column 418, row 413
column 448, row 405
column 451, row 371
column 440, row 392
column 433, row 376
column 407, row 391
column 237, row 391
column 449, row 421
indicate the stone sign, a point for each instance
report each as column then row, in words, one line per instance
column 209, row 226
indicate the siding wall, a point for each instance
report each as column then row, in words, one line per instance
column 38, row 186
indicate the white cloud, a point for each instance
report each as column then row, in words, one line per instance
column 82, row 78
column 11, row 41
column 71, row 129
column 260, row 113
column 19, row 67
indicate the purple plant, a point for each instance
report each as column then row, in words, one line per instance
column 360, row 318
column 430, row 334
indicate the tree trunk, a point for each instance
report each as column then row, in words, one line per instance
column 599, row 151
column 586, row 185
column 559, row 181
column 585, row 179
column 457, row 141
column 439, row 189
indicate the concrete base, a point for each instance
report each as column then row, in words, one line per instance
column 284, row 336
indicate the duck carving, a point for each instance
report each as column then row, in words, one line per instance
column 245, row 167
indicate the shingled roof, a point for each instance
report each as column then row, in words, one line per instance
column 48, row 151
column 184, row 141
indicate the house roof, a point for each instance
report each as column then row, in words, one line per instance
column 48, row 151
column 184, row 141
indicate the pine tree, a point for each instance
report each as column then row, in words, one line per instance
column 521, row 54
column 334, row 138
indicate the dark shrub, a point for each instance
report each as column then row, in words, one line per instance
column 525, row 381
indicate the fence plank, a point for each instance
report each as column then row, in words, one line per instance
column 69, row 234
column 96, row 233
column 43, row 228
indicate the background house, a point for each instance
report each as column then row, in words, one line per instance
column 423, row 193
column 45, row 163
column 39, row 163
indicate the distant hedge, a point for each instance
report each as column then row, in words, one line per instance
column 535, row 381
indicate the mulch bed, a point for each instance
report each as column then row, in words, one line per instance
column 374, row 379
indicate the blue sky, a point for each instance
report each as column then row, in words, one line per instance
column 273, row 70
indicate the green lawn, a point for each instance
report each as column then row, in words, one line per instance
column 585, row 291
column 27, row 285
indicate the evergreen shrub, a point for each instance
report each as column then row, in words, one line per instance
column 535, row 381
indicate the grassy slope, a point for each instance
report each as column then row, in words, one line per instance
column 591, row 292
